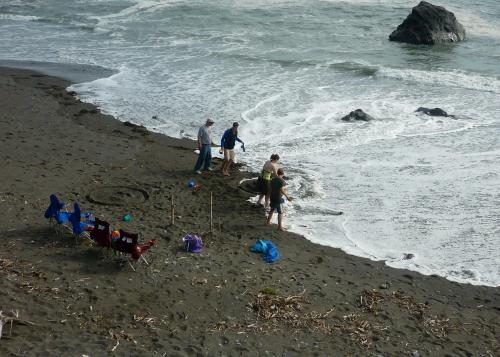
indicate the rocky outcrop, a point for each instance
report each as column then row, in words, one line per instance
column 435, row 112
column 429, row 24
column 357, row 114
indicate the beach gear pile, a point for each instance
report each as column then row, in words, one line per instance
column 194, row 186
column 58, row 213
column 96, row 230
column 268, row 249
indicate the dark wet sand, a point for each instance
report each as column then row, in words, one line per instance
column 83, row 303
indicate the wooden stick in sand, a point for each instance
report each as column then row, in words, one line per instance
column 172, row 211
column 211, row 212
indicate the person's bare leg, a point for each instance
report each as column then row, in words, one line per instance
column 224, row 167
column 270, row 216
column 280, row 222
column 259, row 202
column 267, row 201
column 228, row 167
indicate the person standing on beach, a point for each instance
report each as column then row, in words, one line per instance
column 276, row 196
column 269, row 170
column 227, row 143
column 204, row 145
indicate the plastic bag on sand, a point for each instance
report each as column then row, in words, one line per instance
column 193, row 243
column 270, row 252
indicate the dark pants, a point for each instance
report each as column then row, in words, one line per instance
column 205, row 156
column 276, row 206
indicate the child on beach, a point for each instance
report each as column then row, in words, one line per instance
column 264, row 182
column 276, row 196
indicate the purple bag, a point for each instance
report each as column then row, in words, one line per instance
column 192, row 243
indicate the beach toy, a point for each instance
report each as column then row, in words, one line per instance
column 115, row 234
column 191, row 183
column 127, row 218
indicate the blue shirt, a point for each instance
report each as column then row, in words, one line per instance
column 229, row 139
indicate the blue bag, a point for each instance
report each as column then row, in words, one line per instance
column 270, row 252
column 193, row 243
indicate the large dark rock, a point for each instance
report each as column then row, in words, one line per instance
column 435, row 112
column 429, row 24
column 357, row 114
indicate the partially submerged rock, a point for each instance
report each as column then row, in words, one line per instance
column 141, row 129
column 429, row 24
column 435, row 112
column 408, row 256
column 357, row 114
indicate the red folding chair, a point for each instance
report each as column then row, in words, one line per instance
column 100, row 234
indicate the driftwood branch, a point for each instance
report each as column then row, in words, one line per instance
column 11, row 317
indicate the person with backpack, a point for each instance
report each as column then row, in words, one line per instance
column 227, row 144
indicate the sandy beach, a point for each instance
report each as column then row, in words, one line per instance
column 73, row 300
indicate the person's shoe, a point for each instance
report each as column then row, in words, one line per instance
column 198, row 172
column 210, row 169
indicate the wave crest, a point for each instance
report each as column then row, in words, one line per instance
column 446, row 78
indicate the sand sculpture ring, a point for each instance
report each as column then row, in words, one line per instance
column 117, row 195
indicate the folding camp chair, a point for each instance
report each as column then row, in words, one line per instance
column 100, row 234
column 54, row 208
column 128, row 243
column 78, row 227
column 57, row 218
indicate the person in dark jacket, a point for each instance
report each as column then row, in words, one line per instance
column 227, row 144
column 277, row 193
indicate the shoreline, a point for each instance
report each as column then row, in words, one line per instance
column 58, row 144
column 76, row 73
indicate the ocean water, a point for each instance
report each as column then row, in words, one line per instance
column 288, row 71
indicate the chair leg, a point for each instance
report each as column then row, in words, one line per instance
column 87, row 236
column 129, row 263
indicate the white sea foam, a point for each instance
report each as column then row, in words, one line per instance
column 111, row 22
column 407, row 3
column 477, row 25
column 139, row 6
column 19, row 17
column 443, row 78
